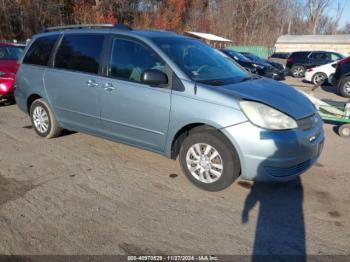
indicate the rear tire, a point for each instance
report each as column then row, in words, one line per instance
column 344, row 131
column 344, row 87
column 298, row 71
column 214, row 163
column 43, row 120
column 319, row 79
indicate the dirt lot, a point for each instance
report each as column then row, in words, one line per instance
column 78, row 194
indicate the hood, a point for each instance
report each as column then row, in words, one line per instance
column 275, row 94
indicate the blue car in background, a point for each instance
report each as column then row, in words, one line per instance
column 169, row 94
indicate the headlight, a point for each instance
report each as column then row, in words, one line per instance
column 267, row 117
column 258, row 66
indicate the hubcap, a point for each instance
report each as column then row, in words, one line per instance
column 204, row 163
column 40, row 119
column 347, row 88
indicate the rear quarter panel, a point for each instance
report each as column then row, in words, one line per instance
column 29, row 81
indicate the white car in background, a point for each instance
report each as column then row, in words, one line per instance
column 320, row 74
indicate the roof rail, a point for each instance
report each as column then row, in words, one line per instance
column 83, row 26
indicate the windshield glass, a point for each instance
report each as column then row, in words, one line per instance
column 10, row 52
column 255, row 58
column 237, row 56
column 201, row 62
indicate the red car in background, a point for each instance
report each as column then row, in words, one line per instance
column 9, row 54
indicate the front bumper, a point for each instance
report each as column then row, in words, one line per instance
column 308, row 76
column 276, row 75
column 275, row 155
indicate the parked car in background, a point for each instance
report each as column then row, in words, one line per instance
column 173, row 95
column 279, row 57
column 7, row 81
column 299, row 62
column 341, row 77
column 320, row 74
column 9, row 54
column 249, row 65
column 271, row 69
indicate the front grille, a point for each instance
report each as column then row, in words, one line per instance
column 288, row 171
column 308, row 122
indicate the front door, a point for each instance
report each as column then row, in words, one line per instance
column 130, row 110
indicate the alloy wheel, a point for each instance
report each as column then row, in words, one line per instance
column 41, row 119
column 298, row 71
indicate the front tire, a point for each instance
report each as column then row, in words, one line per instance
column 209, row 160
column 43, row 120
column 344, row 131
column 319, row 79
column 344, row 87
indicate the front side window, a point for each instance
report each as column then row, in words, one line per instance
column 80, row 53
column 39, row 52
column 10, row 52
column 129, row 59
column 201, row 62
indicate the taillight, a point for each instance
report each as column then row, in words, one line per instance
column 310, row 70
column 290, row 60
column 343, row 61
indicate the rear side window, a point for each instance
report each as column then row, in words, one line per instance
column 39, row 52
column 80, row 53
column 300, row 55
column 320, row 56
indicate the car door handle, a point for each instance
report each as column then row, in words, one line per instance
column 109, row 87
column 91, row 83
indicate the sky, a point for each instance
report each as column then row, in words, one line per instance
column 346, row 14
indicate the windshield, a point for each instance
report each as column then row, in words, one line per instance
column 10, row 52
column 236, row 56
column 201, row 62
column 255, row 58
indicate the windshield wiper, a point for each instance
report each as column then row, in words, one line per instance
column 212, row 82
column 248, row 78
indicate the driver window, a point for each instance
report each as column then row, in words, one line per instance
column 129, row 59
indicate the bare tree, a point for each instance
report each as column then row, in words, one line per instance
column 315, row 10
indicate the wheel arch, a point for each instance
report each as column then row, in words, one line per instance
column 184, row 131
column 31, row 99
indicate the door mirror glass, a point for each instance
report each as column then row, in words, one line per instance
column 154, row 77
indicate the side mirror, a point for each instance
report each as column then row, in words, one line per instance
column 154, row 77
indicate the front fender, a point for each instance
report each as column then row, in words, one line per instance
column 187, row 111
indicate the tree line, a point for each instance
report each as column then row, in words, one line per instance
column 246, row 22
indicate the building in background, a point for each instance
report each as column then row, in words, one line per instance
column 292, row 43
column 213, row 40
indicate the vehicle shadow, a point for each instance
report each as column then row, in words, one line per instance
column 4, row 103
column 327, row 88
column 280, row 227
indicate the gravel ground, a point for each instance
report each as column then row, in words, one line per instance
column 82, row 195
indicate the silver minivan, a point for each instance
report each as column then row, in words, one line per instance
column 169, row 94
